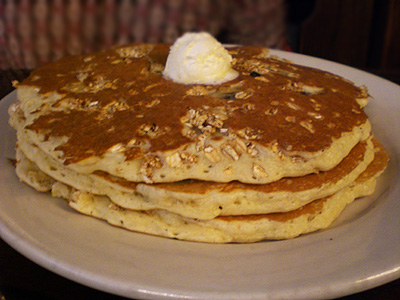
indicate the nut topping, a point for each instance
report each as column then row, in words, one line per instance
column 200, row 142
column 211, row 153
column 174, row 160
column 149, row 163
column 178, row 159
column 240, row 145
column 258, row 171
column 230, row 152
column 307, row 125
column 249, row 134
column 134, row 52
column 251, row 149
column 117, row 148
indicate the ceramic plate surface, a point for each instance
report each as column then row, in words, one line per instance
column 359, row 251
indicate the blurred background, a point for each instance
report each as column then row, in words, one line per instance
column 360, row 33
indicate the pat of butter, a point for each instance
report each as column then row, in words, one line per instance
column 198, row 58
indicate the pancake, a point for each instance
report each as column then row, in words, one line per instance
column 206, row 200
column 235, row 198
column 314, row 216
column 114, row 112
column 203, row 199
column 273, row 154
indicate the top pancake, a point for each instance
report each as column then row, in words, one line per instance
column 113, row 111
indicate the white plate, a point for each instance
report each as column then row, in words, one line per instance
column 360, row 251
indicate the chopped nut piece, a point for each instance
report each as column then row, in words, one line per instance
column 244, row 94
column 315, row 115
column 88, row 58
column 116, row 62
column 291, row 119
column 215, row 121
column 135, row 51
column 178, row 159
column 149, row 163
column 134, row 143
column 82, row 76
column 299, row 87
column 200, row 90
column 149, row 87
column 251, row 149
column 272, row 111
column 190, row 158
column 133, row 92
column 224, row 130
column 293, row 105
column 312, row 90
column 152, row 103
column 230, row 152
column 187, row 132
column 288, row 74
column 258, row 171
column 308, row 126
column 275, row 103
column 184, row 120
column 317, row 106
column 151, row 130
column 174, row 160
column 156, row 68
column 200, row 142
column 240, row 145
column 296, row 158
column 249, row 134
column 117, row 148
column 114, row 106
column 247, row 107
column 281, row 155
column 262, row 78
column 251, row 65
column 275, row 147
column 211, row 153
column 205, row 120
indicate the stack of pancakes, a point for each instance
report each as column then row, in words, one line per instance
column 275, row 153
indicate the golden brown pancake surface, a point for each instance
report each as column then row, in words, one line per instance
column 124, row 97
